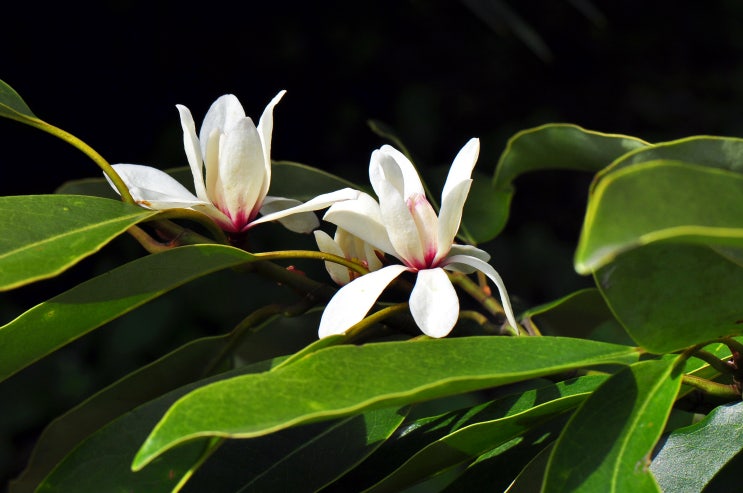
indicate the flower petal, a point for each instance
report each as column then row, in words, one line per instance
column 450, row 216
column 434, row 303
column 354, row 300
column 470, row 250
column 301, row 222
column 222, row 115
column 154, row 188
column 461, row 168
column 361, row 217
column 401, row 227
column 241, row 171
column 390, row 165
column 489, row 271
column 326, row 244
column 319, row 202
column 265, row 129
column 193, row 151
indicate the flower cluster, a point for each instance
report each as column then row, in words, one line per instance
column 230, row 161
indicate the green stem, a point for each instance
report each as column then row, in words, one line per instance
column 735, row 346
column 713, row 361
column 88, row 151
column 326, row 257
column 720, row 390
column 198, row 217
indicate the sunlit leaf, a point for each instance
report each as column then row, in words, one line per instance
column 553, row 146
column 689, row 457
column 343, row 380
column 606, row 444
column 62, row 319
column 660, row 201
column 43, row 235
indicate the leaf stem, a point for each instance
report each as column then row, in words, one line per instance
column 88, row 151
column 720, row 390
column 713, row 361
column 309, row 254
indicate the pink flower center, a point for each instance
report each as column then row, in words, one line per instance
column 427, row 224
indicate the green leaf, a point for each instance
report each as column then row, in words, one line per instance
column 62, row 319
column 606, row 444
column 101, row 461
column 553, row 146
column 304, row 458
column 343, row 380
column 496, row 423
column 725, row 153
column 531, row 477
column 689, row 457
column 42, row 235
column 659, row 201
column 12, row 105
column 672, row 296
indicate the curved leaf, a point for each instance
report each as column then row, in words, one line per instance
column 343, row 380
column 553, row 146
column 656, row 201
column 43, row 235
column 689, row 457
column 717, row 152
column 606, row 444
column 671, row 296
column 62, row 319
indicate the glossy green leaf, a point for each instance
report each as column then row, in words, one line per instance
column 101, row 461
column 304, row 458
column 497, row 423
column 689, row 457
column 12, row 105
column 531, row 477
column 62, row 319
column 43, row 235
column 553, row 146
column 672, row 296
column 660, row 201
column 717, row 152
column 606, row 445
column 343, row 380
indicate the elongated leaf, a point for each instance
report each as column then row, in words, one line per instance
column 606, row 444
column 101, row 461
column 305, row 458
column 531, row 477
column 339, row 381
column 12, row 105
column 660, row 201
column 672, row 296
column 689, row 457
column 553, row 146
column 510, row 420
column 64, row 318
column 42, row 235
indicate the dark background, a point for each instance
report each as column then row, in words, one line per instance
column 437, row 72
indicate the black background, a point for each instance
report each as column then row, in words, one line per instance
column 437, row 72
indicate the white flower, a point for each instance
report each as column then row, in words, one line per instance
column 350, row 247
column 405, row 225
column 233, row 189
